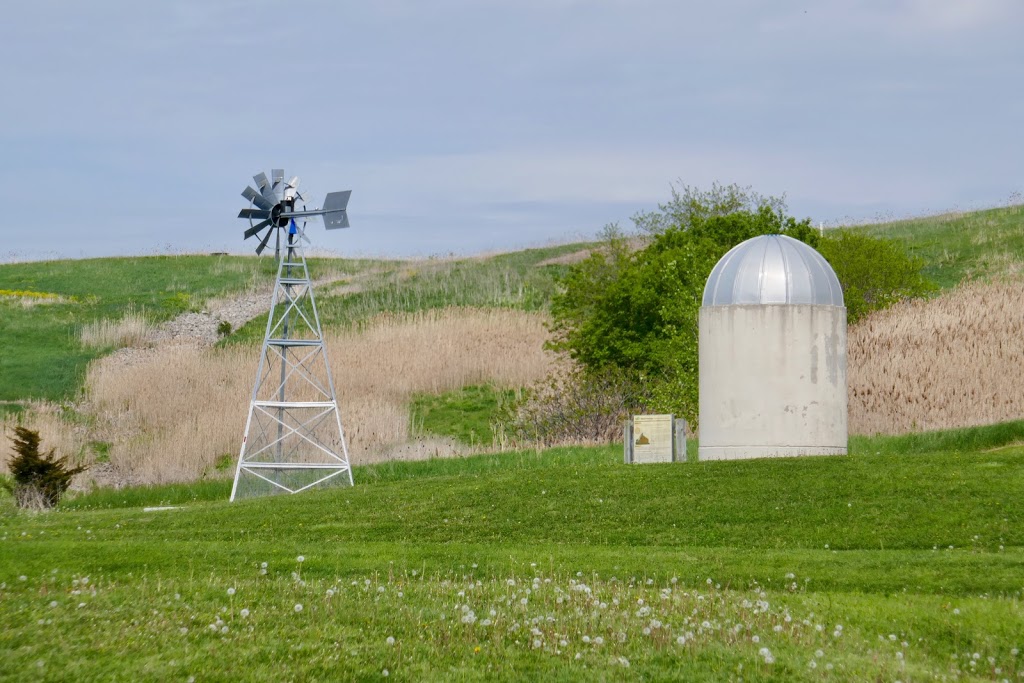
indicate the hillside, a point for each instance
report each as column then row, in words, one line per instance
column 564, row 565
column 410, row 335
column 903, row 561
column 962, row 246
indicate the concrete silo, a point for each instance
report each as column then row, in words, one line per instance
column 772, row 354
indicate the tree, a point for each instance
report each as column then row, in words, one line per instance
column 40, row 480
column 638, row 312
column 875, row 273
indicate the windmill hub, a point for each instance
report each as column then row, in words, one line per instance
column 275, row 214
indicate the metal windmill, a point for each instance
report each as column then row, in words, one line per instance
column 293, row 438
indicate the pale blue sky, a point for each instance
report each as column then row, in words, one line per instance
column 131, row 127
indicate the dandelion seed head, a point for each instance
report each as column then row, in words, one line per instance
column 298, row 607
column 300, row 558
column 231, row 591
column 390, row 640
column 244, row 613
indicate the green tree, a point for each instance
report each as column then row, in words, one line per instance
column 39, row 480
column 875, row 273
column 638, row 311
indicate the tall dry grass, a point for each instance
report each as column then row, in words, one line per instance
column 953, row 361
column 129, row 330
column 172, row 411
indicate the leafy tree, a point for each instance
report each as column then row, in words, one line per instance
column 875, row 273
column 39, row 479
column 690, row 205
column 638, row 311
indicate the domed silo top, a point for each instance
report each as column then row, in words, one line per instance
column 773, row 269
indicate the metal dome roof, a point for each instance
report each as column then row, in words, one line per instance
column 772, row 269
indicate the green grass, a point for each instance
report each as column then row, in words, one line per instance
column 467, row 415
column 927, row 548
column 959, row 246
column 969, row 439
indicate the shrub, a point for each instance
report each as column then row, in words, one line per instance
column 577, row 407
column 875, row 273
column 39, row 480
column 638, row 312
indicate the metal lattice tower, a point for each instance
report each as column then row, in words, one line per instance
column 293, row 438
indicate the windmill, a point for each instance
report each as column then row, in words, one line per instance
column 293, row 437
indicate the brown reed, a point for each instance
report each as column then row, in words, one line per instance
column 956, row 360
column 171, row 412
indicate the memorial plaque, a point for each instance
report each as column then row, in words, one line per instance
column 652, row 438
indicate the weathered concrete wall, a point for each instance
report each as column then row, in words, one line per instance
column 772, row 381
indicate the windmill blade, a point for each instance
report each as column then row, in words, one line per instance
column 261, row 181
column 254, row 213
column 263, row 244
column 277, row 176
column 266, row 188
column 257, row 199
column 256, row 228
column 294, row 182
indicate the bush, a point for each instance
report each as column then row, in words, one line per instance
column 875, row 273
column 577, row 407
column 637, row 312
column 39, row 481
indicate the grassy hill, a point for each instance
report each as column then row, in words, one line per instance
column 958, row 246
column 563, row 565
column 903, row 561
column 43, row 355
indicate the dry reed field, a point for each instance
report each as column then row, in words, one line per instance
column 953, row 361
column 129, row 330
column 171, row 412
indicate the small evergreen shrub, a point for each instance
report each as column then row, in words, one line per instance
column 39, row 480
column 223, row 328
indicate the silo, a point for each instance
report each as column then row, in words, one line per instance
column 772, row 354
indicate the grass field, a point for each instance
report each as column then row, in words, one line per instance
column 958, row 246
column 562, row 565
column 43, row 357
column 903, row 561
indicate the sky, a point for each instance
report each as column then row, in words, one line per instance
column 468, row 126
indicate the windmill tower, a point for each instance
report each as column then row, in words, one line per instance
column 293, row 438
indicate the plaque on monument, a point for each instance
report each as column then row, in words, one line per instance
column 652, row 438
